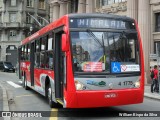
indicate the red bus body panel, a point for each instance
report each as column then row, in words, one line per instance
column 90, row 99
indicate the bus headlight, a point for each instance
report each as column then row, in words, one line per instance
column 137, row 84
column 79, row 86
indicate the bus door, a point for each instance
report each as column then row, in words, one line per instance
column 18, row 69
column 32, row 63
column 59, row 66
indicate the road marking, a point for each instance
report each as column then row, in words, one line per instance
column 54, row 114
column 20, row 82
column 13, row 84
column 25, row 95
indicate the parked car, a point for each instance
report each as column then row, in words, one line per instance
column 6, row 66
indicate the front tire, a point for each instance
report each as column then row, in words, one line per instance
column 49, row 97
column 25, row 83
column 4, row 70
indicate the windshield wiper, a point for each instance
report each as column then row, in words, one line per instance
column 94, row 37
column 97, row 40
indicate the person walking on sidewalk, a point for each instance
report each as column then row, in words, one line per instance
column 154, row 80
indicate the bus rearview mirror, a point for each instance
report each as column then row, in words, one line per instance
column 65, row 45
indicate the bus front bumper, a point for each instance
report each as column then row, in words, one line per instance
column 92, row 99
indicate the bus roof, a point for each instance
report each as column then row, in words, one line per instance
column 63, row 21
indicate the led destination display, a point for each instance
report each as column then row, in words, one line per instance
column 101, row 23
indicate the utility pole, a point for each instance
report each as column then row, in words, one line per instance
column 35, row 20
column 43, row 19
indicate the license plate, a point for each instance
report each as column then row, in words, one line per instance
column 110, row 95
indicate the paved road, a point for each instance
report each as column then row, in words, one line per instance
column 22, row 100
column 1, row 100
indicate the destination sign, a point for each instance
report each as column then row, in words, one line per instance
column 101, row 23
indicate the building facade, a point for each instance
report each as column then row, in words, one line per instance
column 17, row 22
column 145, row 12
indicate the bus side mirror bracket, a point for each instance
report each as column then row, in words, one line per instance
column 65, row 44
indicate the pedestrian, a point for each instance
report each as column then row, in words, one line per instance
column 154, row 84
column 150, row 69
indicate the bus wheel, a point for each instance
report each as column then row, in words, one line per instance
column 49, row 96
column 25, row 83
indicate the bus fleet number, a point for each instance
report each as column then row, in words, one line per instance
column 125, row 83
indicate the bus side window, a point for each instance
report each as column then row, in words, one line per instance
column 42, row 60
column 22, row 53
column 37, row 46
column 49, row 51
column 37, row 60
column 49, row 60
column 25, row 52
column 43, row 43
column 50, row 43
column 37, row 53
column 28, row 52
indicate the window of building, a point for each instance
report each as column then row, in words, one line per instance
column 0, row 52
column 109, row 2
column 12, row 33
column 157, row 25
column 13, row 2
column 41, row 4
column 30, row 3
column 0, row 18
column 74, row 6
column 41, row 20
column 13, row 17
column 29, row 19
column 0, row 35
column 157, row 48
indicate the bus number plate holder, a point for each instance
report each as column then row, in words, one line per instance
column 110, row 95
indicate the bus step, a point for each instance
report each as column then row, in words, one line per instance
column 59, row 100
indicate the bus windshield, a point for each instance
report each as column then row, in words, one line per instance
column 111, row 52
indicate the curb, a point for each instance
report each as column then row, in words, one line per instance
column 152, row 96
column 5, row 102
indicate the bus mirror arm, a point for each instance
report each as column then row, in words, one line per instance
column 65, row 44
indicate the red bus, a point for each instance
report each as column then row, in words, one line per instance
column 84, row 61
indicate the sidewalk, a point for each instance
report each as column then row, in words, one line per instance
column 3, row 101
column 148, row 94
